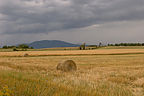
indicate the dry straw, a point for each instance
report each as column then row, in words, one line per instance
column 66, row 66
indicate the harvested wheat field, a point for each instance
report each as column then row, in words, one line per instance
column 74, row 52
column 104, row 72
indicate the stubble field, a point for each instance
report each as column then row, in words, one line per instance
column 102, row 72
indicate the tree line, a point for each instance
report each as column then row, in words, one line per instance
column 83, row 46
column 127, row 44
column 15, row 48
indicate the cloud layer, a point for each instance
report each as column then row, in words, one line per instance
column 43, row 16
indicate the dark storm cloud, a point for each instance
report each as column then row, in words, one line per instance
column 43, row 16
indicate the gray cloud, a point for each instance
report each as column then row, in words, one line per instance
column 43, row 16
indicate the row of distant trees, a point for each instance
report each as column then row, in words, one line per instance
column 83, row 46
column 127, row 44
column 21, row 46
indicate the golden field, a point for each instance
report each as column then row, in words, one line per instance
column 101, row 72
column 74, row 52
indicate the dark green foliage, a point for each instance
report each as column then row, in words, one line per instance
column 23, row 46
column 8, row 47
column 15, row 49
column 127, row 44
column 82, row 47
column 92, row 45
column 5, row 47
column 31, row 48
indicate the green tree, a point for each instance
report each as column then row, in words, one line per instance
column 83, row 46
column 5, row 47
column 23, row 46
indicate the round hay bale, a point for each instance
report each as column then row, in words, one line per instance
column 66, row 66
column 25, row 55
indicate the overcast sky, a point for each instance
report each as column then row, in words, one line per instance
column 76, row 21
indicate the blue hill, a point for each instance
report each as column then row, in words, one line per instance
column 51, row 44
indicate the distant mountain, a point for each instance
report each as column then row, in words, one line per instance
column 51, row 44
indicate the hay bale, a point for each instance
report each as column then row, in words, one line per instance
column 66, row 66
column 25, row 55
